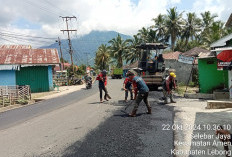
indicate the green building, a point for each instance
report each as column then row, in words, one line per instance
column 210, row 78
column 33, row 67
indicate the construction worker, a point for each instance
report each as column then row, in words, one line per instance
column 127, row 86
column 140, row 87
column 168, row 85
column 102, row 79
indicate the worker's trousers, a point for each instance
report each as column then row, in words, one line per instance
column 166, row 95
column 139, row 98
column 127, row 93
column 101, row 89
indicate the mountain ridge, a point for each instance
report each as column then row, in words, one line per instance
column 86, row 44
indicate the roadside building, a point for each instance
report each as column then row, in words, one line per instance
column 62, row 66
column 189, row 60
column 223, row 51
column 130, row 66
column 171, row 62
column 210, row 78
column 185, row 64
column 28, row 67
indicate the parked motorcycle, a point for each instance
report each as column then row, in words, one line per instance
column 89, row 84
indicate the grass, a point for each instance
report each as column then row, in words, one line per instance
column 181, row 89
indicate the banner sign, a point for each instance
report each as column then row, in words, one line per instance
column 224, row 59
column 185, row 59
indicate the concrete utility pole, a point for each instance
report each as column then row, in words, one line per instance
column 66, row 18
column 61, row 53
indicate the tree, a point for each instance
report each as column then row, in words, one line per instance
column 191, row 28
column 173, row 24
column 118, row 49
column 134, row 54
column 208, row 20
column 143, row 35
column 160, row 28
column 215, row 32
column 102, row 57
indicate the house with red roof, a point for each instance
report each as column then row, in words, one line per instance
column 20, row 65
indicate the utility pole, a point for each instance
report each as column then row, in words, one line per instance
column 68, row 18
column 61, row 53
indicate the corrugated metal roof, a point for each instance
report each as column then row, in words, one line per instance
column 15, row 46
column 131, row 66
column 172, row 55
column 195, row 52
column 221, row 42
column 29, row 56
column 206, row 55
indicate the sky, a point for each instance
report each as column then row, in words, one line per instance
column 42, row 17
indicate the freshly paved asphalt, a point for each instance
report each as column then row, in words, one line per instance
column 118, row 135
column 124, row 136
column 20, row 115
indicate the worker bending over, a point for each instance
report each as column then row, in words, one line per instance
column 140, row 87
column 169, row 85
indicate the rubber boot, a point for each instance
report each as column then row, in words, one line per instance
column 149, row 110
column 108, row 96
column 133, row 113
column 165, row 101
column 171, row 98
column 126, row 100
column 172, row 101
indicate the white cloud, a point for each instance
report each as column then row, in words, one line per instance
column 222, row 8
column 123, row 16
column 120, row 15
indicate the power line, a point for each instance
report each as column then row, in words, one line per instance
column 69, row 18
column 52, row 5
column 23, row 39
column 25, row 35
column 41, row 7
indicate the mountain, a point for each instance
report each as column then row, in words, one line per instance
column 86, row 44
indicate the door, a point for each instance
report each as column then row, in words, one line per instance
column 35, row 76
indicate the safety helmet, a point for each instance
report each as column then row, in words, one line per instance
column 104, row 72
column 131, row 73
column 172, row 74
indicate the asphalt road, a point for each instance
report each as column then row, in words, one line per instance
column 20, row 115
column 120, row 135
column 77, row 125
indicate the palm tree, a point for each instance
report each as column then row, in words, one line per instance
column 207, row 19
column 192, row 28
column 174, row 25
column 143, row 34
column 147, row 35
column 118, row 48
column 134, row 54
column 102, row 57
column 216, row 32
column 160, row 28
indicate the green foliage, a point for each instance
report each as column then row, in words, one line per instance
column 118, row 48
column 22, row 101
column 81, row 70
column 184, row 34
column 102, row 58
column 174, row 23
column 62, row 60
